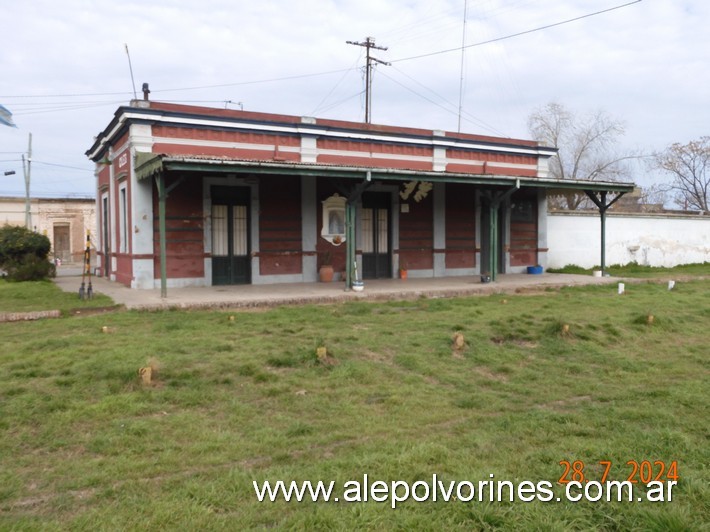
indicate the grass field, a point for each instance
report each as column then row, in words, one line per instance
column 85, row 446
column 634, row 269
column 45, row 295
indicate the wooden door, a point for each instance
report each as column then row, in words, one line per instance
column 376, row 236
column 62, row 242
column 231, row 249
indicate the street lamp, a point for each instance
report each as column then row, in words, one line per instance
column 10, row 172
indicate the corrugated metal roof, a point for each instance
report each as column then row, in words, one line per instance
column 148, row 164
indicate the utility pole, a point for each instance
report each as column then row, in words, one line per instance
column 26, row 167
column 369, row 44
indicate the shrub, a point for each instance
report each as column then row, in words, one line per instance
column 24, row 254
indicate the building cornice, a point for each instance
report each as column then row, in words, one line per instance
column 339, row 131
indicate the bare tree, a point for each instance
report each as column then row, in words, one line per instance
column 688, row 164
column 654, row 196
column 586, row 147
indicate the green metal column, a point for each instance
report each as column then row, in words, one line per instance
column 493, row 236
column 350, row 250
column 160, row 182
column 603, row 206
column 602, row 215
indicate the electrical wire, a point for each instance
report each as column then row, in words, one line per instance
column 62, row 166
column 526, row 32
column 453, row 110
column 302, row 76
column 317, row 108
column 76, row 107
column 338, row 103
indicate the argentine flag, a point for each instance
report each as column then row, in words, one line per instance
column 6, row 117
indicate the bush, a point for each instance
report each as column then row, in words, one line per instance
column 30, row 268
column 24, row 254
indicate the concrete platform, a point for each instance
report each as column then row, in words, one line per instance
column 249, row 296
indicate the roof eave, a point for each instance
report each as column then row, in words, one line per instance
column 149, row 164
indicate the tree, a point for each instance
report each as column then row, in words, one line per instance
column 688, row 164
column 585, row 147
column 654, row 196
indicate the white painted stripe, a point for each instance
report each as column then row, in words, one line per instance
column 306, row 129
column 334, row 153
column 375, row 155
column 226, row 145
column 468, row 162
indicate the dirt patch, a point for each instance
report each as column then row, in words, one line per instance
column 565, row 404
column 487, row 373
column 382, row 358
column 528, row 344
column 92, row 311
column 533, row 291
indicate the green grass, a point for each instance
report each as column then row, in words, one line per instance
column 83, row 445
column 44, row 295
column 634, row 269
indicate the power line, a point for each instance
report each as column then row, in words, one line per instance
column 75, row 95
column 236, row 84
column 256, row 82
column 63, row 166
column 64, row 108
column 316, row 74
column 317, row 108
column 340, row 102
column 472, row 119
column 526, row 32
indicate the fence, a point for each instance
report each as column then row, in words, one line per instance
column 649, row 239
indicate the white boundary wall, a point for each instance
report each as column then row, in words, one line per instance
column 649, row 239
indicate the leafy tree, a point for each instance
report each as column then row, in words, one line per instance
column 24, row 254
column 688, row 164
column 586, row 147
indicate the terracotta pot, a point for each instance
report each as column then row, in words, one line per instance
column 326, row 274
column 402, row 274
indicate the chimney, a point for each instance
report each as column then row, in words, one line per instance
column 146, row 91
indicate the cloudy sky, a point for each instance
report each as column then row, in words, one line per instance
column 64, row 68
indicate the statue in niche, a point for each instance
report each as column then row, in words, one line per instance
column 333, row 228
column 336, row 224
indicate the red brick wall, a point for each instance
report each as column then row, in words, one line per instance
column 523, row 229
column 273, row 143
column 484, row 168
column 416, row 235
column 460, row 226
column 124, row 268
column 370, row 154
column 184, row 224
column 280, row 241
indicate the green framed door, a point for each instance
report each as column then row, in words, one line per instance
column 376, row 236
column 486, row 238
column 231, row 245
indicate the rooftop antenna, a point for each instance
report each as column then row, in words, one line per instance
column 463, row 62
column 130, row 67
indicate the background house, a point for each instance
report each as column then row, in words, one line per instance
column 65, row 221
